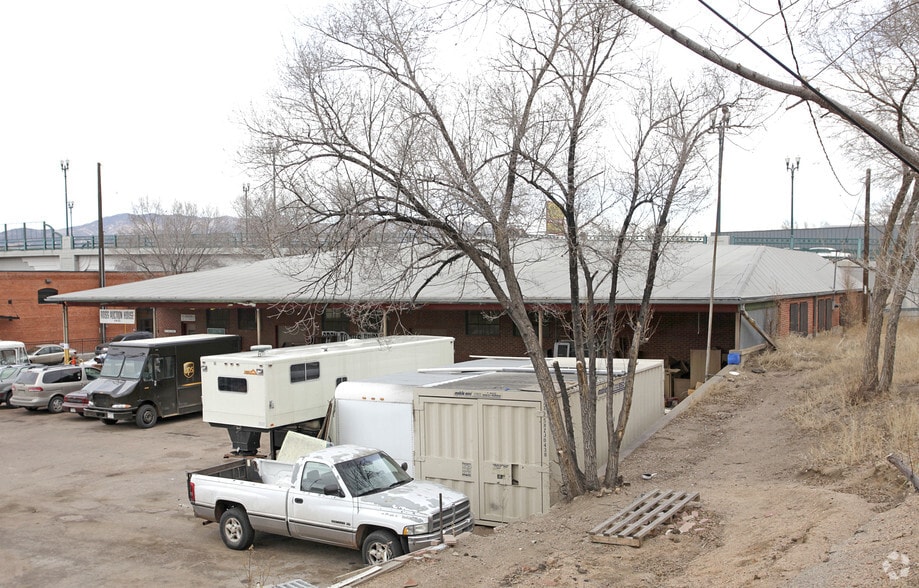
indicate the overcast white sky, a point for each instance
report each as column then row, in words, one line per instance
column 152, row 91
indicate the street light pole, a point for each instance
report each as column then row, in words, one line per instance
column 70, row 206
column 792, row 167
column 246, row 209
column 65, row 165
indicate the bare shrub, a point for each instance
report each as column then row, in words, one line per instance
column 851, row 430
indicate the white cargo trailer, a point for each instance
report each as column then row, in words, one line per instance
column 267, row 389
column 479, row 427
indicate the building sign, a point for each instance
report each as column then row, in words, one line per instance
column 116, row 317
column 187, row 318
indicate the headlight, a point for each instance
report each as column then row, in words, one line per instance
column 416, row 529
column 120, row 406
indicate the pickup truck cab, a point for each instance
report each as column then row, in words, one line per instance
column 343, row 495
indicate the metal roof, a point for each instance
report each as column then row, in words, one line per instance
column 743, row 274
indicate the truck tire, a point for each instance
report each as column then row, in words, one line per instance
column 235, row 529
column 379, row 547
column 146, row 416
column 56, row 404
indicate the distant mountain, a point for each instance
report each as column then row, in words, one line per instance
column 118, row 224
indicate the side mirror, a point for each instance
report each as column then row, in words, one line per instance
column 333, row 490
column 404, row 466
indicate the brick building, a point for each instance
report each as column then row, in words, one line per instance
column 27, row 316
column 757, row 290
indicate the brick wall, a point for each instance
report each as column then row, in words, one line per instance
column 44, row 323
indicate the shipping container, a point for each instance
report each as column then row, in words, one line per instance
column 480, row 428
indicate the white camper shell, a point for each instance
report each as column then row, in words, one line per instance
column 265, row 388
column 479, row 427
column 13, row 352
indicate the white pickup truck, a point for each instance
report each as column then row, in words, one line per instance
column 342, row 495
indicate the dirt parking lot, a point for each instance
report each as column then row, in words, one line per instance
column 84, row 504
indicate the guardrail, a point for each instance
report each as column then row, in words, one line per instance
column 28, row 239
column 853, row 246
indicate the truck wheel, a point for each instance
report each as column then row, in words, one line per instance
column 380, row 547
column 108, row 421
column 235, row 529
column 146, row 416
column 56, row 404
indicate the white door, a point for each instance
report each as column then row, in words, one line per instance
column 514, row 483
column 447, row 445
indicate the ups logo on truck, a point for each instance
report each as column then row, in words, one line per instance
column 188, row 368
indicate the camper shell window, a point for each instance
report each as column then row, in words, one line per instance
column 301, row 372
column 226, row 384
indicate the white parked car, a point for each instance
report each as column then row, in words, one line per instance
column 47, row 354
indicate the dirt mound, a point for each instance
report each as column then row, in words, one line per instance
column 766, row 516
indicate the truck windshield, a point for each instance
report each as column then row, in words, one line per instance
column 372, row 473
column 123, row 366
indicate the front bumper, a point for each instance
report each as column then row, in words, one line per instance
column 117, row 414
column 416, row 542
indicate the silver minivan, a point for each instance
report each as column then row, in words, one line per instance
column 45, row 387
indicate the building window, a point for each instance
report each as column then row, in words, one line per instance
column 217, row 319
column 479, row 324
column 245, row 319
column 334, row 319
column 44, row 293
column 797, row 318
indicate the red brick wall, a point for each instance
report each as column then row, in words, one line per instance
column 44, row 323
column 784, row 318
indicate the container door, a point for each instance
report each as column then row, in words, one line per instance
column 491, row 450
column 447, row 441
column 514, row 482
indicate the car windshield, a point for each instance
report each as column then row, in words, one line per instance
column 8, row 372
column 123, row 366
column 372, row 473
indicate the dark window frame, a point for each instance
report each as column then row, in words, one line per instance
column 478, row 324
column 246, row 319
column 304, row 372
column 229, row 384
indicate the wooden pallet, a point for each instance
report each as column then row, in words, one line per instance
column 634, row 522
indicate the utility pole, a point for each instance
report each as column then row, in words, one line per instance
column 725, row 118
column 65, row 165
column 867, row 237
column 792, row 167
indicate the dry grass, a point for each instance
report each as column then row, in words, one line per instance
column 847, row 433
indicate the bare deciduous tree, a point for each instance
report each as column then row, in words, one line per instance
column 869, row 58
column 408, row 174
column 177, row 241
